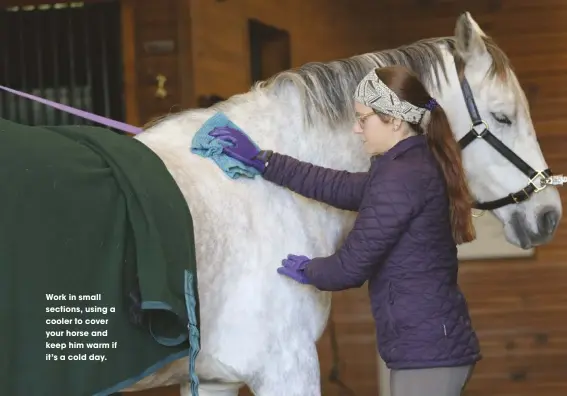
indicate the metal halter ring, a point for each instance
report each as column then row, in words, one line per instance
column 479, row 214
column 542, row 181
column 479, row 134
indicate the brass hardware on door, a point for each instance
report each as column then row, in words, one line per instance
column 161, row 92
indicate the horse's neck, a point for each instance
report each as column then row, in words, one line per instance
column 276, row 122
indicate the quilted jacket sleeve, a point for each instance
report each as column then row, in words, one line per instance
column 393, row 198
column 341, row 189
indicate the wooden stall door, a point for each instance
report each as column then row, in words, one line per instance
column 156, row 50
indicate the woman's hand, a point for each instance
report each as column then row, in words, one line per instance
column 293, row 267
column 240, row 146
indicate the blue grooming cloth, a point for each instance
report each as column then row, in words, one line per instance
column 210, row 147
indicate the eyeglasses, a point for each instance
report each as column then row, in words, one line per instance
column 361, row 118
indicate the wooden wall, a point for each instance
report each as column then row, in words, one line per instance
column 518, row 306
column 211, row 44
column 156, row 44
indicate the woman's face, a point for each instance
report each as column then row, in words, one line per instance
column 378, row 136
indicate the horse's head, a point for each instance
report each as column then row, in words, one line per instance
column 506, row 159
column 309, row 112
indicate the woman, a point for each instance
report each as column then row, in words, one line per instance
column 413, row 207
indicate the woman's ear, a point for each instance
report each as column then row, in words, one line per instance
column 396, row 123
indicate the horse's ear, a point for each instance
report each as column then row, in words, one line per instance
column 469, row 38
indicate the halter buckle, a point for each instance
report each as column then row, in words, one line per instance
column 543, row 181
column 556, row 180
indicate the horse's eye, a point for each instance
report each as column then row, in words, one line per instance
column 501, row 118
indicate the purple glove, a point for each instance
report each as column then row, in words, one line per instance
column 293, row 267
column 240, row 147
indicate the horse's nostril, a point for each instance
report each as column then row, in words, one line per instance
column 548, row 220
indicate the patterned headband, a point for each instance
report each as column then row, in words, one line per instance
column 372, row 92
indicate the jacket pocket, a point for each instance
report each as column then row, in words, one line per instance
column 389, row 310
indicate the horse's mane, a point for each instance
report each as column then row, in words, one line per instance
column 326, row 88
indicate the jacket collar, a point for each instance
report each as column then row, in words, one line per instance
column 401, row 147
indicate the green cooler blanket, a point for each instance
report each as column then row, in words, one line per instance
column 98, row 285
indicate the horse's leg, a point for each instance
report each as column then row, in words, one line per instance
column 212, row 389
column 291, row 369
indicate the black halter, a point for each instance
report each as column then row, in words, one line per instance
column 538, row 180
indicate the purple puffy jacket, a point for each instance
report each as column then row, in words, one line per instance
column 401, row 244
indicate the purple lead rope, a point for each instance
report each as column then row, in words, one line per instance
column 80, row 113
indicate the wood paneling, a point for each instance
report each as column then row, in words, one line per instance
column 319, row 30
column 156, row 43
column 210, row 60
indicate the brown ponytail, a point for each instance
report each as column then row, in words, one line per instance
column 448, row 154
column 407, row 86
